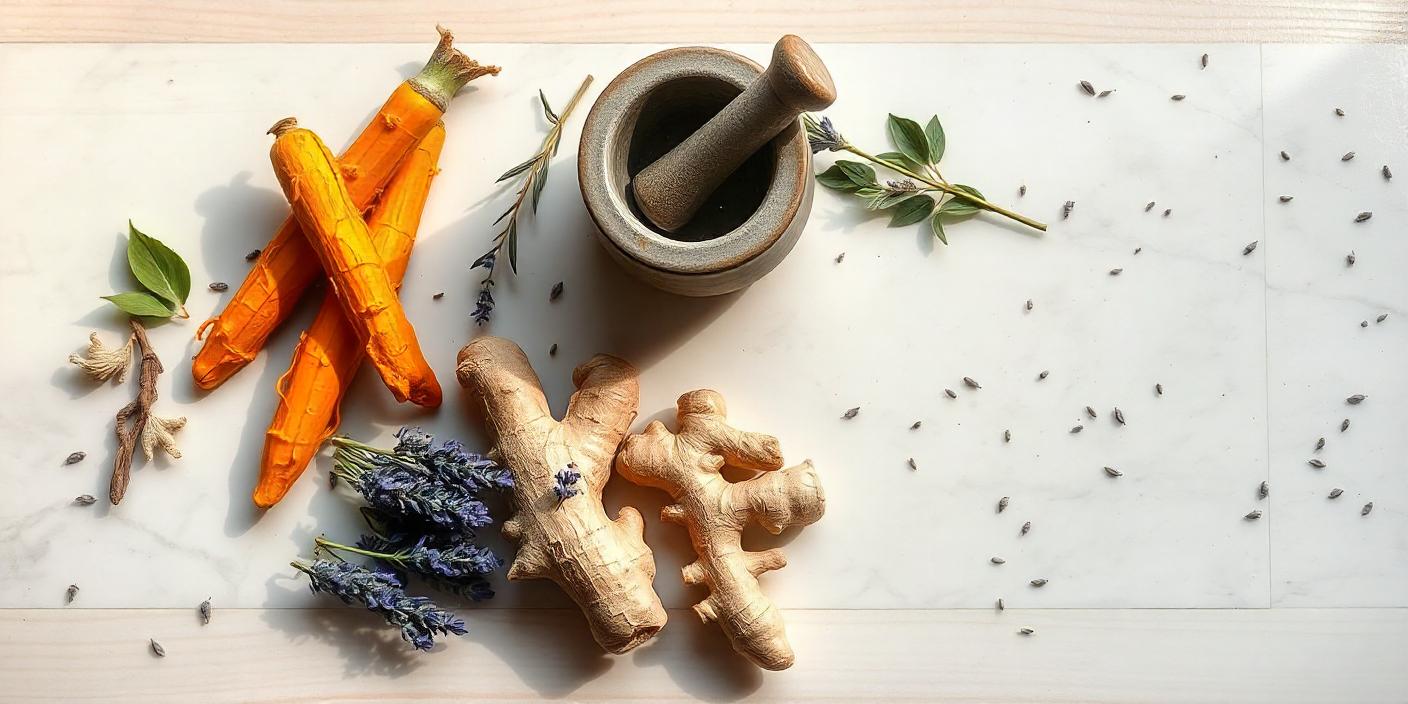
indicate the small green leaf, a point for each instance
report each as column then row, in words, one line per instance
column 540, row 180
column 908, row 138
column 958, row 205
column 519, row 169
column 934, row 135
column 859, row 173
column 870, row 192
column 140, row 303
column 837, row 179
column 547, row 111
column 158, row 268
column 911, row 211
column 513, row 245
column 891, row 200
column 900, row 159
column 938, row 228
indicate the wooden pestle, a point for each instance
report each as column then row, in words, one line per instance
column 670, row 191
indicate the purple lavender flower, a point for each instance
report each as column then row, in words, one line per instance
column 822, row 136
column 484, row 304
column 566, row 479
column 382, row 592
column 400, row 486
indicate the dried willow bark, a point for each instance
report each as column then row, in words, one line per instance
column 138, row 411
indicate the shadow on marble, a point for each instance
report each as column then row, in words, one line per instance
column 700, row 660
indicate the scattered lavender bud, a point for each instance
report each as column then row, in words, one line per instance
column 1119, row 415
column 1344, row 425
column 1030, row 305
column 1388, row 175
column 75, row 457
column 1367, row 508
column 1087, row 87
column 1285, row 156
column 1335, row 493
column 252, row 256
column 1363, row 216
column 438, row 295
column 1320, row 444
column 1316, row 462
column 1382, row 317
column 1149, row 207
column 1347, row 156
column 1026, row 528
column 1138, row 250
column 851, row 413
column 1007, row 436
column 1022, row 190
column 1113, row 472
column 916, row 425
column 1205, row 61
column 1159, row 389
column 1042, row 375
column 1363, row 323
column 1002, row 504
column 1287, row 199
column 1177, row 97
column 1026, row 631
column 840, row 257
column 70, row 593
column 1339, row 112
column 1067, row 208
column 1249, row 249
column 968, row 380
column 950, row 393
column 997, row 560
column 552, row 351
column 1116, row 272
column 1105, row 93
column 556, row 292
column 912, row 464
column 85, row 500
column 204, row 611
column 565, row 482
column 1253, row 515
column 1168, row 212
column 1091, row 412
column 1038, row 583
column 219, row 286
column 1356, row 399
column 1077, row 429
column 157, row 650
column 1349, row 258
column 1265, row 490
column 1000, row 605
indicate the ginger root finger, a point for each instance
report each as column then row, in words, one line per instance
column 604, row 565
column 714, row 511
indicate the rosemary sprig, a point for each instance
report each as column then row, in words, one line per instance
column 917, row 158
column 536, row 170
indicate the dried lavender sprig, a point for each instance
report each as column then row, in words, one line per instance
column 398, row 485
column 565, row 483
column 457, row 559
column 382, row 592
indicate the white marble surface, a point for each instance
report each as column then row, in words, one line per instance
column 172, row 136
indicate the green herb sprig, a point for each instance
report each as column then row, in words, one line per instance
column 536, row 168
column 919, row 150
column 164, row 276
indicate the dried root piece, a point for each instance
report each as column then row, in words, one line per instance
column 103, row 362
column 161, row 432
column 604, row 565
column 715, row 511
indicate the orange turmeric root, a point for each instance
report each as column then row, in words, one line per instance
column 333, row 225
column 329, row 353
column 287, row 265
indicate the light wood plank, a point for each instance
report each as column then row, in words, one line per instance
column 705, row 20
column 1277, row 655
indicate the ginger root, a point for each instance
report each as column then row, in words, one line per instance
column 604, row 565
column 715, row 511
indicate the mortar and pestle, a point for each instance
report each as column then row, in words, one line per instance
column 695, row 168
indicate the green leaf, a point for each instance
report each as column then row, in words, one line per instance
column 938, row 228
column 958, row 205
column 871, row 192
column 900, row 159
column 891, row 200
column 547, row 111
column 934, row 135
column 911, row 211
column 539, row 181
column 836, row 179
column 513, row 245
column 908, row 138
column 140, row 303
column 158, row 268
column 859, row 173
column 519, row 169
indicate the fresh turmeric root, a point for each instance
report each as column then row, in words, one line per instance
column 287, row 266
column 686, row 464
column 604, row 565
column 329, row 353
column 333, row 225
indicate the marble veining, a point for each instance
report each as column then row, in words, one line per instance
column 1255, row 353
